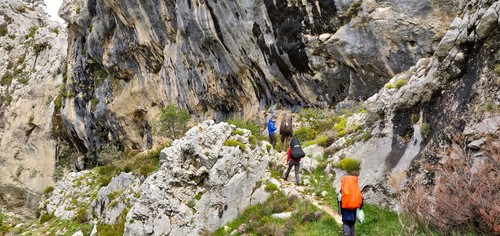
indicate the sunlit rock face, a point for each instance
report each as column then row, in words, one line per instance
column 33, row 59
column 216, row 58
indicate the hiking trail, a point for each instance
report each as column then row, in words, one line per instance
column 301, row 189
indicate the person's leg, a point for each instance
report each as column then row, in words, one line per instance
column 288, row 170
column 346, row 230
column 297, row 178
column 272, row 140
column 352, row 229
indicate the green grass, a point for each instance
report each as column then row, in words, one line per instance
column 238, row 132
column 425, row 129
column 235, row 143
column 378, row 221
column 389, row 86
column 325, row 226
column 249, row 125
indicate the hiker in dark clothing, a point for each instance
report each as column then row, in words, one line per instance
column 286, row 131
column 293, row 157
column 272, row 129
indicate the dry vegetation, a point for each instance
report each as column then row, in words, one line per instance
column 465, row 195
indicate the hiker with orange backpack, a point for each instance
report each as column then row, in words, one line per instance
column 350, row 202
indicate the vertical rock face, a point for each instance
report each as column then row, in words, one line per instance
column 33, row 58
column 216, row 58
column 448, row 94
column 201, row 184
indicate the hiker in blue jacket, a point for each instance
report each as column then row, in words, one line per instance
column 271, row 129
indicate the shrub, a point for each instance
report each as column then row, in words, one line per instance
column 400, row 83
column 490, row 106
column 31, row 32
column 465, row 196
column 322, row 140
column 349, row 164
column 415, row 118
column 6, row 79
column 252, row 140
column 46, row 217
column 497, row 69
column 342, row 133
column 235, row 143
column 305, row 133
column 340, row 125
column 3, row 30
column 270, row 187
column 238, row 132
column 366, row 136
column 425, row 129
column 248, row 125
column 48, row 190
column 389, row 86
column 77, row 10
column 173, row 120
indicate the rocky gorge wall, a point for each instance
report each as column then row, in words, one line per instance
column 220, row 58
column 33, row 62
column 454, row 93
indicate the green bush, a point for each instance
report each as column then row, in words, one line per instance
column 238, row 132
column 425, row 129
column 45, row 217
column 248, row 125
column 6, row 79
column 490, row 106
column 305, row 133
column 400, row 83
column 342, row 133
column 366, row 136
column 349, row 164
column 415, row 118
column 235, row 143
column 322, row 140
column 31, row 32
column 3, row 30
column 48, row 190
column 389, row 86
column 173, row 121
column 252, row 140
column 270, row 187
column 340, row 125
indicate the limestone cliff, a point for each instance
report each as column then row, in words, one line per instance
column 216, row 58
column 33, row 55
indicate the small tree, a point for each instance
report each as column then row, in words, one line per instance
column 173, row 120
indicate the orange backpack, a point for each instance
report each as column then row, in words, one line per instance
column 351, row 193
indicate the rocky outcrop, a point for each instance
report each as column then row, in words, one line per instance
column 201, row 184
column 424, row 108
column 33, row 55
column 218, row 58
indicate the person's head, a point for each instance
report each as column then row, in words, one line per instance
column 274, row 117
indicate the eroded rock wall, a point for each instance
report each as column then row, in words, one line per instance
column 217, row 58
column 33, row 62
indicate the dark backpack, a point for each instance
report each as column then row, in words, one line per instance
column 296, row 151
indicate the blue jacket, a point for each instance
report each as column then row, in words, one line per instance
column 270, row 127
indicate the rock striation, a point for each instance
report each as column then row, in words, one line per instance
column 438, row 99
column 219, row 58
column 33, row 62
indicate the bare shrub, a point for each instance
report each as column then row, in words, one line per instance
column 465, row 193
